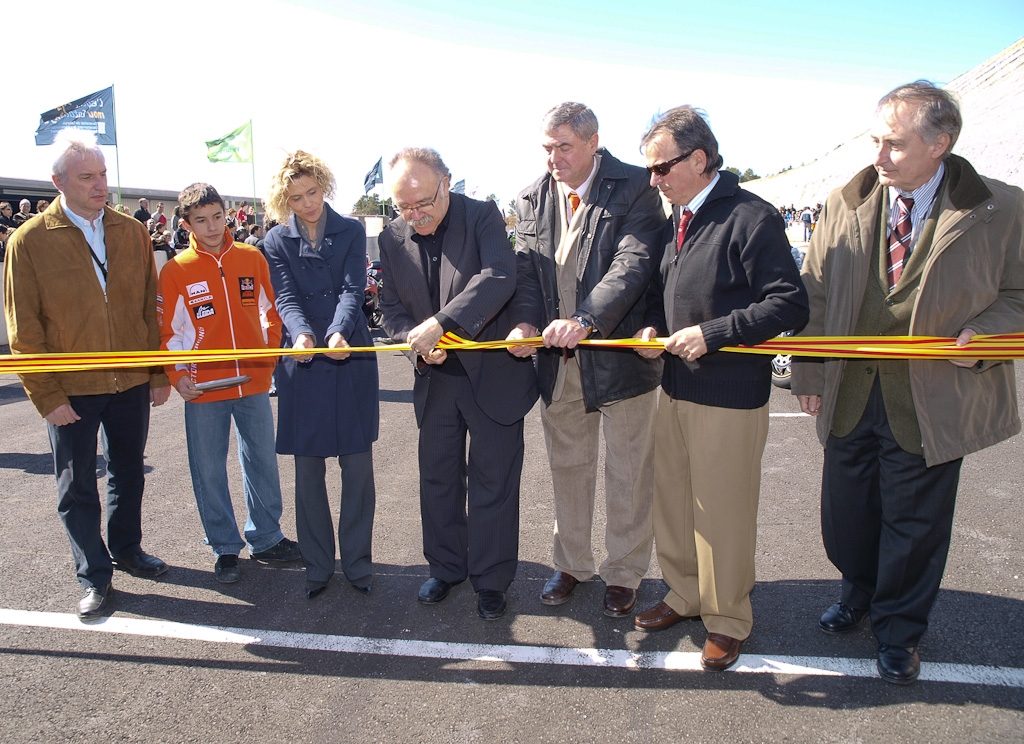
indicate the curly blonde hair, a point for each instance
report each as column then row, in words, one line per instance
column 296, row 165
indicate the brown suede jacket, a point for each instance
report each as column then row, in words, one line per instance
column 54, row 303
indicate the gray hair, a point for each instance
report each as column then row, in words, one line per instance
column 425, row 155
column 934, row 111
column 580, row 119
column 79, row 145
column 689, row 129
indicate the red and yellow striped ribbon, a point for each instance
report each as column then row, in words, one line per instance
column 1007, row 346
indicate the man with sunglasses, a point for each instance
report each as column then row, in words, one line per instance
column 587, row 245
column 450, row 268
column 727, row 278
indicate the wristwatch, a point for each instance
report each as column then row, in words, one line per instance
column 585, row 324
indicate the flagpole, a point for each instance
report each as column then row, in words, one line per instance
column 117, row 159
column 252, row 159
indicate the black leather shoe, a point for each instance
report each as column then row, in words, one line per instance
column 315, row 590
column 897, row 664
column 841, row 618
column 141, row 564
column 434, row 590
column 363, row 588
column 93, row 603
column 490, row 604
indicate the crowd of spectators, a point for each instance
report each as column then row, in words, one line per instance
column 167, row 233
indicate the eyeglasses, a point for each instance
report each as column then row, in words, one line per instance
column 662, row 169
column 421, row 206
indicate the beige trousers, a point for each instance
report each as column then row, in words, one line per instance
column 707, row 477
column 573, row 439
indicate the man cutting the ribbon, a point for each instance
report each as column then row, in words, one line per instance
column 916, row 244
column 727, row 278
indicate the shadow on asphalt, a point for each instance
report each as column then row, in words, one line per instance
column 395, row 396
column 29, row 463
column 13, row 393
column 967, row 628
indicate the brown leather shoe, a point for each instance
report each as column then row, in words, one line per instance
column 720, row 652
column 659, row 617
column 559, row 588
column 619, row 601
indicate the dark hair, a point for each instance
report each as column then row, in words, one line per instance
column 688, row 127
column 253, row 229
column 198, row 195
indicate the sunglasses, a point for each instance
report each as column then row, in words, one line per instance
column 662, row 169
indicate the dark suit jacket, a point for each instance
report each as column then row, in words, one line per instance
column 478, row 278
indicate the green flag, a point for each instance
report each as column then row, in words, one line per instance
column 235, row 147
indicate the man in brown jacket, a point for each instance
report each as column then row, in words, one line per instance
column 918, row 244
column 80, row 277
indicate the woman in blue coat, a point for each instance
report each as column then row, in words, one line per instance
column 327, row 403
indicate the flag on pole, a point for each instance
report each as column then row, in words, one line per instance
column 235, row 147
column 375, row 176
column 459, row 187
column 93, row 113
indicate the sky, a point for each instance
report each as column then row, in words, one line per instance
column 782, row 83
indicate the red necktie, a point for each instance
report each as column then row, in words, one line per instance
column 684, row 220
column 574, row 203
column 899, row 239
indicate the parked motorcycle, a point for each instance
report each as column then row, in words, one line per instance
column 782, row 366
column 371, row 299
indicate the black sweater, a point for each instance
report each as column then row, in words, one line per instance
column 734, row 277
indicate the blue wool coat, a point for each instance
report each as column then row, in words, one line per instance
column 326, row 408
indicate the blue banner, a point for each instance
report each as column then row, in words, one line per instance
column 93, row 113
column 375, row 176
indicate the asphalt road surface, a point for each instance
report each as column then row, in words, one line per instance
column 185, row 659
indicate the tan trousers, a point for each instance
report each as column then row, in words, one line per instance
column 707, row 476
column 573, row 438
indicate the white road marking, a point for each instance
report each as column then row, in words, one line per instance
column 514, row 654
column 788, row 415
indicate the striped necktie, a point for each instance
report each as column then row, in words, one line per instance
column 899, row 239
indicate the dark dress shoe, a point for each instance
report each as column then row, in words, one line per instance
column 315, row 588
column 659, row 617
column 841, row 618
column 286, row 551
column 93, row 603
column 490, row 604
column 226, row 570
column 363, row 588
column 141, row 564
column 558, row 589
column 619, row 601
column 434, row 590
column 720, row 652
column 897, row 664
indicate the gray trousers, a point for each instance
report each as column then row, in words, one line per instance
column 314, row 525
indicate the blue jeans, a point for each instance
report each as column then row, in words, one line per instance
column 207, row 428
